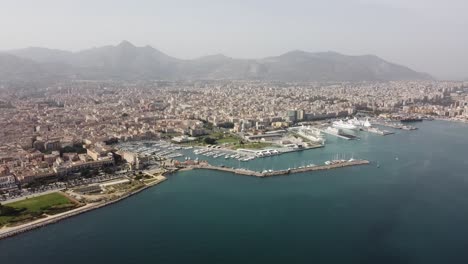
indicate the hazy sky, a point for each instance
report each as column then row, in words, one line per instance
column 426, row 35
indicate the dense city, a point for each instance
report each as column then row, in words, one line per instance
column 61, row 129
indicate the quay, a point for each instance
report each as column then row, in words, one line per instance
column 377, row 131
column 342, row 135
column 246, row 172
column 389, row 124
column 395, row 125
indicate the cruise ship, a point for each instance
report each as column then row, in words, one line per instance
column 344, row 125
column 312, row 134
column 360, row 123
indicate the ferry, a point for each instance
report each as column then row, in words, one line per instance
column 344, row 125
column 360, row 123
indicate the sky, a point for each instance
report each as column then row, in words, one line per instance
column 426, row 35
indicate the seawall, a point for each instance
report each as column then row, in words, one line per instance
column 280, row 172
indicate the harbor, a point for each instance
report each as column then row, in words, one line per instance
column 275, row 143
column 157, row 150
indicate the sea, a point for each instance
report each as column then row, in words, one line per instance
column 410, row 205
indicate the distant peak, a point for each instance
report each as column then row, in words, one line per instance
column 126, row 44
column 293, row 52
column 218, row 56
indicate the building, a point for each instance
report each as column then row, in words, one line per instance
column 197, row 132
column 183, row 139
column 300, row 115
column 53, row 144
column 291, row 116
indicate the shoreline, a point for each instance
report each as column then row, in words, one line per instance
column 7, row 232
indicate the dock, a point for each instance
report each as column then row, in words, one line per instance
column 342, row 135
column 395, row 125
column 247, row 172
column 378, row 131
column 389, row 124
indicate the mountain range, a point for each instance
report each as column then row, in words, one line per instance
column 128, row 62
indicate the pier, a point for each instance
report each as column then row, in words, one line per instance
column 340, row 135
column 246, row 172
column 395, row 125
column 377, row 131
column 389, row 124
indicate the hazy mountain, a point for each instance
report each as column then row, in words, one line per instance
column 43, row 55
column 324, row 66
column 15, row 68
column 220, row 67
column 126, row 61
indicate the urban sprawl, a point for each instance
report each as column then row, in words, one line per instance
column 71, row 133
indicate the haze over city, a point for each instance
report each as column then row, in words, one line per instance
column 427, row 36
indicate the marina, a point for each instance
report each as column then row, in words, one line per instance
column 167, row 150
column 299, row 138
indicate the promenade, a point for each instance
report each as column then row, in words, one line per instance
column 15, row 230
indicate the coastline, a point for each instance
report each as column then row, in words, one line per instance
column 6, row 232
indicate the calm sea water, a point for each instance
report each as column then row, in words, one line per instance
column 413, row 209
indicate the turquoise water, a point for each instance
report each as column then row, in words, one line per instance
column 412, row 209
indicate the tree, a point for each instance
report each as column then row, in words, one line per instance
column 86, row 172
column 73, row 149
column 208, row 125
column 226, row 125
column 8, row 210
column 210, row 141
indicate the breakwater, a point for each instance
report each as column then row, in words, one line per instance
column 246, row 172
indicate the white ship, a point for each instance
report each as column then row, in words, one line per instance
column 344, row 125
column 311, row 133
column 360, row 123
column 333, row 130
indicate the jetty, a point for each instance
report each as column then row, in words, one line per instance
column 339, row 134
column 246, row 172
column 395, row 125
column 392, row 124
